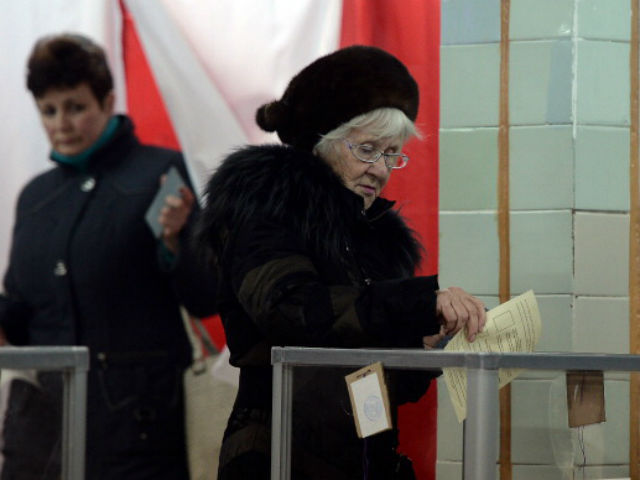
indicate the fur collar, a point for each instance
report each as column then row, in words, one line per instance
column 295, row 188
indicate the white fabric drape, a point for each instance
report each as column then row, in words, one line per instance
column 24, row 144
column 216, row 62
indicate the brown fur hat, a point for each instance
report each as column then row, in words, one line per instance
column 336, row 88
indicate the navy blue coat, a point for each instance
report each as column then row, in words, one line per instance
column 85, row 269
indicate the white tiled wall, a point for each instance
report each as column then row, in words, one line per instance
column 541, row 167
column 569, row 201
column 469, row 241
column 603, row 170
column 541, row 251
column 601, row 254
column 466, row 98
column 540, row 82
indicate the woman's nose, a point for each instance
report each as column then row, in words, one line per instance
column 61, row 121
column 379, row 168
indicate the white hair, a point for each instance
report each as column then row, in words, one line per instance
column 379, row 123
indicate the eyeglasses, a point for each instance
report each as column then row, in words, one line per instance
column 366, row 153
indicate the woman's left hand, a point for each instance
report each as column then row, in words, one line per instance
column 174, row 215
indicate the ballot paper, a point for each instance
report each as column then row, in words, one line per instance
column 513, row 326
column 171, row 186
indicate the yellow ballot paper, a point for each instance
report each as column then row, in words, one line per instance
column 513, row 326
column 369, row 400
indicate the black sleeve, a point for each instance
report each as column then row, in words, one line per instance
column 194, row 282
column 401, row 310
column 14, row 314
column 279, row 287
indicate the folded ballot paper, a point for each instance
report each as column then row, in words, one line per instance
column 513, row 326
column 171, row 186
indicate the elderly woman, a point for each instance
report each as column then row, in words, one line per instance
column 86, row 269
column 310, row 254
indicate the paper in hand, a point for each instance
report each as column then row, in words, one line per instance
column 171, row 186
column 513, row 326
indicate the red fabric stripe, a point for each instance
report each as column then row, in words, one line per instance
column 144, row 102
column 147, row 109
column 411, row 30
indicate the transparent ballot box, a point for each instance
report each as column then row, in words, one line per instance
column 43, row 396
column 570, row 413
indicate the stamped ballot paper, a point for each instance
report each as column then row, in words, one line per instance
column 513, row 326
column 369, row 400
column 171, row 186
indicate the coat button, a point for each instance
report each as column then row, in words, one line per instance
column 88, row 184
column 60, row 269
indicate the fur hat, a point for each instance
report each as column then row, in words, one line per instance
column 336, row 88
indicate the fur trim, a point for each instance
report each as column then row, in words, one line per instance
column 297, row 189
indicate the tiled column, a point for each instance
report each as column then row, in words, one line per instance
column 569, row 200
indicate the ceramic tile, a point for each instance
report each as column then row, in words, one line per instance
column 556, row 335
column 541, row 252
column 540, row 19
column 541, row 168
column 606, row 443
column 601, row 325
column 617, row 375
column 538, row 472
column 448, row 470
column 602, row 83
column 490, row 301
column 469, row 252
column 470, row 21
column 604, row 19
column 557, row 328
column 469, row 85
column 543, row 438
column 602, row 168
column 557, row 320
column 450, row 439
column 536, row 374
column 601, row 254
column 540, row 82
column 468, row 169
column 600, row 472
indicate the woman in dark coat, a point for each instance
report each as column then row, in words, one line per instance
column 86, row 269
column 310, row 255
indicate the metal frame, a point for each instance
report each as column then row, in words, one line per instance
column 481, row 425
column 73, row 362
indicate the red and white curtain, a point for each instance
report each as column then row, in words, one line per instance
column 191, row 73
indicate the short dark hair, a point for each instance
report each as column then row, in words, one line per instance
column 65, row 61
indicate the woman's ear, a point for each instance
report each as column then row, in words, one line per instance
column 109, row 102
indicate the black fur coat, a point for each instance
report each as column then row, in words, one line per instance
column 301, row 263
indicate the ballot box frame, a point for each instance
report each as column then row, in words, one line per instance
column 73, row 363
column 481, row 429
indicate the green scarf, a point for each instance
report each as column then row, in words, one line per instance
column 81, row 160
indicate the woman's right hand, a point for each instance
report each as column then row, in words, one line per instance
column 458, row 309
column 174, row 215
column 431, row 341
